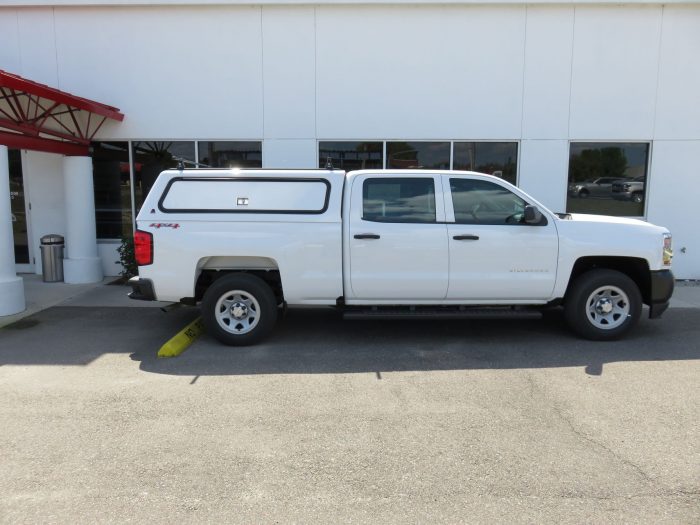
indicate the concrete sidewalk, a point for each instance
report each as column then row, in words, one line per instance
column 686, row 295
column 40, row 296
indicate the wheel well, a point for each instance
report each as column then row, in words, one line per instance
column 207, row 277
column 633, row 267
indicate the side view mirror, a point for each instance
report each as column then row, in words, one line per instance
column 532, row 215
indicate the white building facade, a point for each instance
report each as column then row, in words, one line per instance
column 551, row 96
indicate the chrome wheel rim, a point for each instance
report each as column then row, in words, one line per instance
column 237, row 312
column 607, row 307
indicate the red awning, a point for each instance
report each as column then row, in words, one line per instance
column 38, row 117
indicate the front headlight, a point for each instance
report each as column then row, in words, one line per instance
column 668, row 249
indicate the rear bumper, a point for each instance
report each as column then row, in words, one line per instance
column 662, row 283
column 141, row 289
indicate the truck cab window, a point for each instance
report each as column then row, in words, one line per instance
column 398, row 200
column 483, row 202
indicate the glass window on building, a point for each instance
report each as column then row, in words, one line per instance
column 152, row 157
column 351, row 155
column 495, row 158
column 230, row 154
column 607, row 178
column 398, row 200
column 418, row 155
column 112, row 185
column 17, row 207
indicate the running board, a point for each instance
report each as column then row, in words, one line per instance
column 467, row 313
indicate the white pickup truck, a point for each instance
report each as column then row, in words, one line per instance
column 388, row 244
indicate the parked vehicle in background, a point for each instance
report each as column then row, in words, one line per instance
column 600, row 187
column 629, row 189
column 389, row 244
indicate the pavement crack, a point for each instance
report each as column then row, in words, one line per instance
column 585, row 437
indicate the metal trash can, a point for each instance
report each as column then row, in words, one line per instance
column 52, row 258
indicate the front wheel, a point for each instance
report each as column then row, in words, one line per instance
column 239, row 309
column 603, row 305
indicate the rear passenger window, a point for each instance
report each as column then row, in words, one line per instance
column 483, row 202
column 398, row 200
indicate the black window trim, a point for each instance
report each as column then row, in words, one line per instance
column 245, row 179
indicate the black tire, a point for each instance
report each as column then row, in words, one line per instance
column 638, row 198
column 255, row 288
column 585, row 320
column 583, row 194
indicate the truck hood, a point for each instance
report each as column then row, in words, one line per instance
column 615, row 223
column 584, row 217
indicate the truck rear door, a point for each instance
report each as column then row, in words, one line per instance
column 397, row 237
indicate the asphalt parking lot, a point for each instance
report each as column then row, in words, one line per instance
column 332, row 421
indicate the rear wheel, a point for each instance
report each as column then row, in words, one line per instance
column 239, row 309
column 603, row 305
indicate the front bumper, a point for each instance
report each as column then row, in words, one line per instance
column 142, row 289
column 662, row 283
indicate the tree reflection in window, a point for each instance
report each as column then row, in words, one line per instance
column 418, row 155
column 494, row 158
column 230, row 154
column 151, row 158
column 607, row 178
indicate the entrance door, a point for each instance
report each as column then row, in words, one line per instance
column 397, row 238
column 20, row 219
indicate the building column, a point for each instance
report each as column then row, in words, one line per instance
column 11, row 286
column 81, row 263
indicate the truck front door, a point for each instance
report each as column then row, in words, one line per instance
column 494, row 254
column 397, row 238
